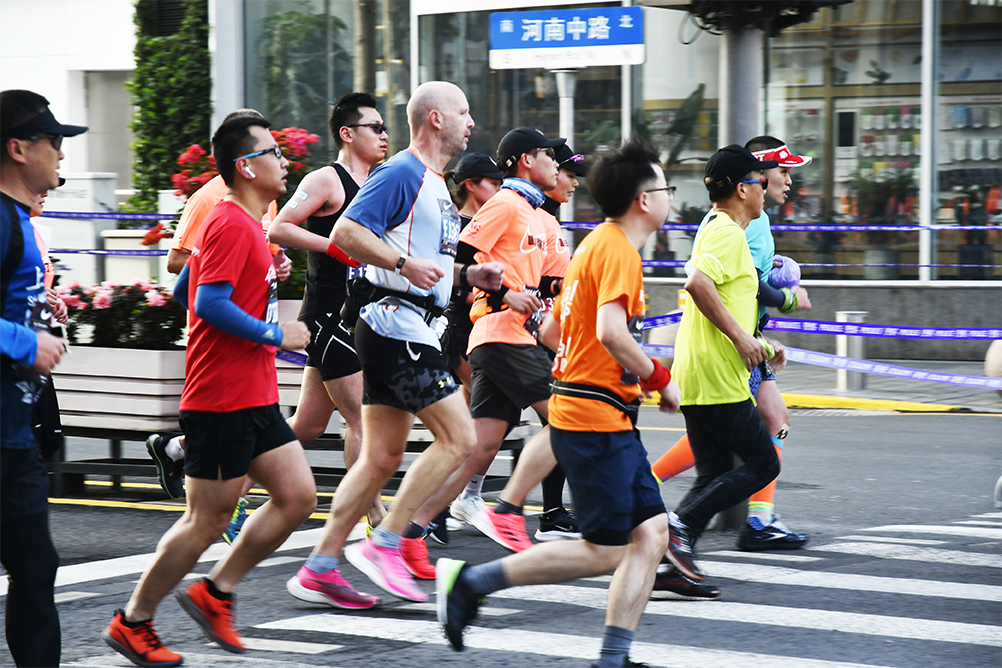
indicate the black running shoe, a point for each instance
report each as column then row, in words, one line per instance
column 169, row 472
column 776, row 536
column 628, row 664
column 437, row 530
column 680, row 549
column 457, row 604
column 670, row 585
column 557, row 524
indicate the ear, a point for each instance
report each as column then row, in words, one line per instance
column 345, row 134
column 435, row 119
column 14, row 149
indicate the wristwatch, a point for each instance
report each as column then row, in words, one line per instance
column 400, row 264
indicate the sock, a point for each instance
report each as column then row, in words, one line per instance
column 133, row 625
column 322, row 563
column 475, row 486
column 174, row 449
column 383, row 537
column 553, row 489
column 678, row 459
column 504, row 508
column 413, row 530
column 616, row 643
column 486, row 578
column 761, row 505
column 215, row 593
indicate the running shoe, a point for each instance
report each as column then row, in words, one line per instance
column 329, row 589
column 415, row 554
column 628, row 664
column 507, row 530
column 386, row 569
column 438, row 530
column 670, row 585
column 557, row 524
column 236, row 521
column 756, row 538
column 456, row 603
column 140, row 644
column 680, row 548
column 169, row 472
column 214, row 615
column 466, row 508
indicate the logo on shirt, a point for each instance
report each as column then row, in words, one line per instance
column 531, row 242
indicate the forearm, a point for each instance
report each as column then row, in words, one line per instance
column 363, row 245
column 176, row 259
column 291, row 235
column 770, row 296
column 18, row 342
column 549, row 333
column 613, row 331
column 213, row 304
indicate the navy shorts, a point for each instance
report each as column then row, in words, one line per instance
column 405, row 375
column 222, row 445
column 759, row 375
column 611, row 481
column 331, row 348
column 506, row 378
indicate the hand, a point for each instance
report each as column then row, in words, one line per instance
column 58, row 306
column 295, row 335
column 486, row 276
column 803, row 301
column 671, row 398
column 422, row 273
column 751, row 350
column 778, row 361
column 50, row 349
column 283, row 265
column 522, row 302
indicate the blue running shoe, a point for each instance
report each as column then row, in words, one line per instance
column 236, row 522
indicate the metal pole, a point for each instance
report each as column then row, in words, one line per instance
column 927, row 167
column 849, row 346
column 566, row 85
column 740, row 85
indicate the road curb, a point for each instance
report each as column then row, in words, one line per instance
column 857, row 403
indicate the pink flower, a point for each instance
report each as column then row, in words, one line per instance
column 73, row 302
column 102, row 299
column 154, row 298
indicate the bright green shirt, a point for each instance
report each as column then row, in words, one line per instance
column 707, row 366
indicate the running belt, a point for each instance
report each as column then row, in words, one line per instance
column 595, row 393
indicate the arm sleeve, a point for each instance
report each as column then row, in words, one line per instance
column 18, row 342
column 770, row 296
column 181, row 288
column 212, row 304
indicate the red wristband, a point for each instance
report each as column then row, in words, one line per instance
column 341, row 256
column 658, row 380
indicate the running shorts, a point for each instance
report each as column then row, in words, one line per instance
column 331, row 348
column 506, row 378
column 223, row 444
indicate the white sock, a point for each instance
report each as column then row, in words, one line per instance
column 475, row 487
column 174, row 449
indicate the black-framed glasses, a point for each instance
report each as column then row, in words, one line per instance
column 551, row 153
column 668, row 189
column 57, row 140
column 378, row 128
column 276, row 149
column 763, row 181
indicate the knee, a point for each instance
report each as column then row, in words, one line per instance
column 770, row 469
column 385, row 464
column 652, row 536
column 462, row 443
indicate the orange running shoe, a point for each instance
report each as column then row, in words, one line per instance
column 214, row 615
column 415, row 553
column 140, row 644
column 506, row 529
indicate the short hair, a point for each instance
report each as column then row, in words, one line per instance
column 346, row 112
column 763, row 143
column 239, row 113
column 618, row 176
column 459, row 192
column 18, row 107
column 726, row 192
column 232, row 140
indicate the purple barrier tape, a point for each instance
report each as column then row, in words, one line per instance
column 291, row 356
column 819, row 264
column 81, row 251
column 786, row 227
column 856, row 329
column 108, row 216
column 662, row 320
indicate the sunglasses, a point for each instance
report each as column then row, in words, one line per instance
column 763, row 181
column 276, row 150
column 549, row 152
column 57, row 140
column 378, row 128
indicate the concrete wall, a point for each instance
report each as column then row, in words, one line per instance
column 899, row 304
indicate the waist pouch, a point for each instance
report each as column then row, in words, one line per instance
column 362, row 291
column 595, row 393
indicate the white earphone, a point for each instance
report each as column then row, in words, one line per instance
column 250, row 172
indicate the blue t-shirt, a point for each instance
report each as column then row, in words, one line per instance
column 24, row 311
column 407, row 204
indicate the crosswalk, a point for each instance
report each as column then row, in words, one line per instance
column 874, row 598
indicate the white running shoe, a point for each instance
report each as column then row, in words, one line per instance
column 466, row 508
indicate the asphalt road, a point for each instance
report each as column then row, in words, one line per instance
column 903, row 570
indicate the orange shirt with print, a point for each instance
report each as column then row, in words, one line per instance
column 507, row 230
column 558, row 253
column 198, row 207
column 605, row 268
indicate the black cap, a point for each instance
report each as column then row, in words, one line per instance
column 473, row 165
column 520, row 141
column 571, row 161
column 729, row 165
column 43, row 123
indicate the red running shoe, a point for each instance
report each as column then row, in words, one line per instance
column 140, row 644
column 415, row 553
column 214, row 615
column 506, row 529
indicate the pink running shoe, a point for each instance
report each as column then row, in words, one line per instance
column 386, row 569
column 415, row 554
column 329, row 589
column 507, row 529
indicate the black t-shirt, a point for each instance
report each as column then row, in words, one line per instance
column 325, row 276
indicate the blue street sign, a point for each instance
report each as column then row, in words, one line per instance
column 567, row 38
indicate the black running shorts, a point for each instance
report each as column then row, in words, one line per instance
column 223, row 444
column 331, row 349
column 506, row 378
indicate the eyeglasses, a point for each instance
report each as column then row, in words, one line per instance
column 57, row 140
column 378, row 128
column 668, row 189
column 549, row 152
column 276, row 149
column 763, row 181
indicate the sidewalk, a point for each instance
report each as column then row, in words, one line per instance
column 814, row 387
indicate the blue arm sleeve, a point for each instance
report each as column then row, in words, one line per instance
column 212, row 304
column 181, row 288
column 770, row 296
column 18, row 342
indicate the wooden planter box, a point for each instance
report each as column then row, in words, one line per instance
column 120, row 388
